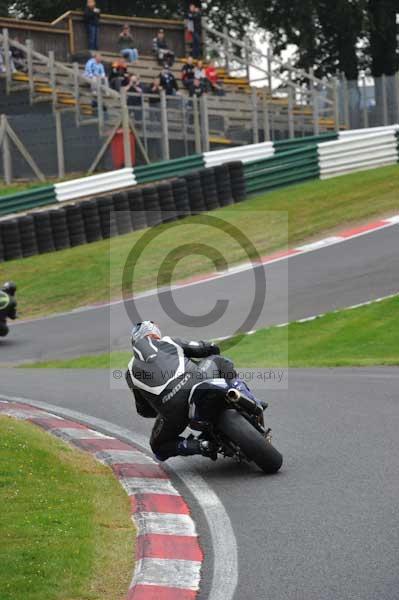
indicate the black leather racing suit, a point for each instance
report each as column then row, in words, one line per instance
column 161, row 376
column 8, row 310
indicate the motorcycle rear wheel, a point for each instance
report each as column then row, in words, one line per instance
column 252, row 443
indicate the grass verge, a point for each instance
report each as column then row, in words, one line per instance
column 359, row 337
column 65, row 280
column 65, row 521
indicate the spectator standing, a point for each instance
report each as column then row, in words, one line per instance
column 168, row 82
column 194, row 29
column 196, row 88
column 118, row 76
column 164, row 55
column 126, row 45
column 187, row 73
column 95, row 72
column 92, row 20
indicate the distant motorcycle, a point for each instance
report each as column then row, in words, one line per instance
column 8, row 306
column 236, row 426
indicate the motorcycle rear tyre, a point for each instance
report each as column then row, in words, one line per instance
column 255, row 447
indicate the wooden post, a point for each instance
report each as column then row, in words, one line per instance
column 53, row 85
column 60, row 144
column 336, row 104
column 144, row 122
column 226, row 46
column 184, row 124
column 100, row 106
column 291, row 126
column 270, row 69
column 164, row 127
column 76, row 93
column 7, row 166
column 384, row 99
column 266, row 123
column 345, row 93
column 315, row 104
column 127, row 149
column 197, row 128
column 7, row 61
column 29, row 60
column 365, row 111
column 204, row 123
column 247, row 51
column 255, row 122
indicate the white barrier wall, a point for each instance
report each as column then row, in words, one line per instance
column 242, row 153
column 96, row 184
column 358, row 153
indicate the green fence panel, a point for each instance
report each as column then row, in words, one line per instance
column 283, row 145
column 26, row 200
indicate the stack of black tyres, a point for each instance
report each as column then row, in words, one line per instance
column 91, row 221
column 196, row 197
column 59, row 227
column 107, row 217
column 181, row 198
column 167, row 202
column 151, row 205
column 27, row 235
column 223, row 185
column 237, row 179
column 9, row 233
column 44, row 232
column 136, row 207
column 209, row 189
column 122, row 212
column 76, row 228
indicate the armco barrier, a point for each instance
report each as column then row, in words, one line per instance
column 242, row 153
column 168, row 168
column 22, row 201
column 96, row 184
column 284, row 168
column 296, row 143
column 356, row 154
column 105, row 217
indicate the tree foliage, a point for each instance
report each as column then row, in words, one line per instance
column 327, row 34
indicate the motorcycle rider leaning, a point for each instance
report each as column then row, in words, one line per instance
column 8, row 306
column 165, row 380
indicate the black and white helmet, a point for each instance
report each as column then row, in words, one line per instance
column 9, row 288
column 141, row 330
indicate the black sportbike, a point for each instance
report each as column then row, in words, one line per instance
column 236, row 426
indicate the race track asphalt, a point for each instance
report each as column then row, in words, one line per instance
column 348, row 273
column 325, row 527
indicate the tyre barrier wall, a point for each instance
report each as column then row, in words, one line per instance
column 105, row 217
column 126, row 178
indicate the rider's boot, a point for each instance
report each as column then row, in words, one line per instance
column 193, row 446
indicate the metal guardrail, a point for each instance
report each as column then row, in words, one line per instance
column 96, row 184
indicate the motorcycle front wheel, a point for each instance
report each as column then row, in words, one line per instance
column 252, row 443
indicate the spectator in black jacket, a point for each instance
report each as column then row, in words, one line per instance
column 194, row 27
column 168, row 82
column 165, row 56
column 187, row 73
column 91, row 19
column 196, row 88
